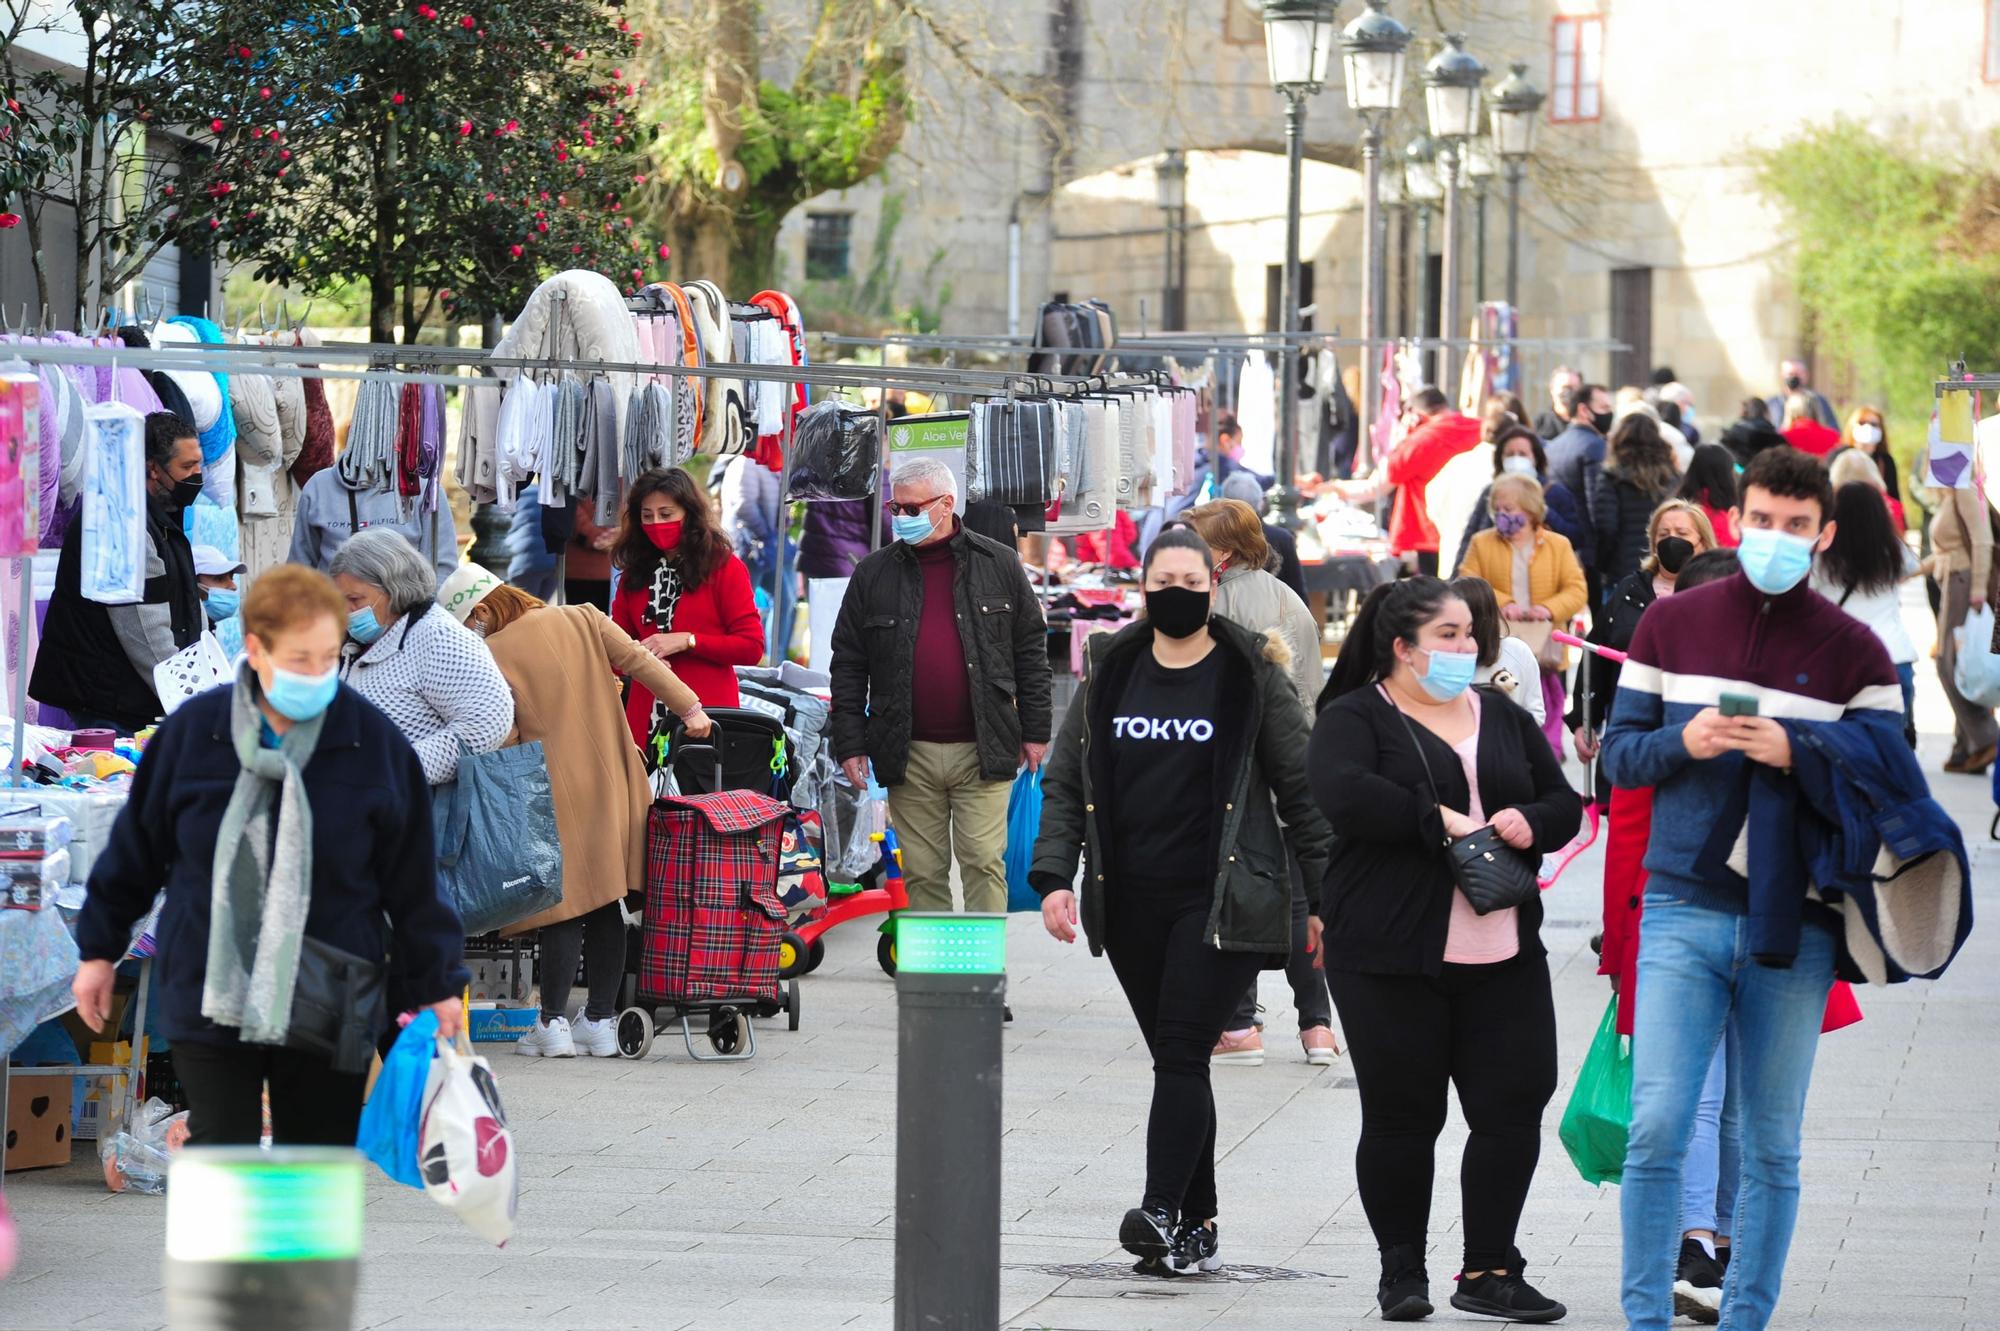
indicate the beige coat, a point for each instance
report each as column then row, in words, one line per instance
column 563, row 666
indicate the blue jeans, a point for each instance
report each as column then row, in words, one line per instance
column 1696, row 980
column 1906, row 673
column 1715, row 1156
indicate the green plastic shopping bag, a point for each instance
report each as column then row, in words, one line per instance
column 1599, row 1117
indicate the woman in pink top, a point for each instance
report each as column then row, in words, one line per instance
column 1432, row 995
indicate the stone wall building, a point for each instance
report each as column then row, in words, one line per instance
column 1640, row 220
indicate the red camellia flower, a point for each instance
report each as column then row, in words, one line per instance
column 665, row 251
column 214, row 225
column 574, row 249
column 168, row 190
column 243, row 52
column 489, row 196
column 561, row 156
column 8, row 221
column 256, row 133
column 215, row 126
column 13, row 106
column 397, row 33
column 468, row 23
column 265, row 93
column 284, row 154
column 515, row 250
column 541, row 226
column 444, row 295
column 465, row 129
column 397, row 99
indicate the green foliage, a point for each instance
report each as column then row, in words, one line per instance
column 1896, row 253
column 469, row 155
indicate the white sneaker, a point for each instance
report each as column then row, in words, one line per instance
column 549, row 1039
column 596, row 1039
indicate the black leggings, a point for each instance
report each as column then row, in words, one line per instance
column 1491, row 1031
column 1182, row 990
column 311, row 1104
column 600, row 938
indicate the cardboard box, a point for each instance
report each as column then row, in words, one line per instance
column 500, row 1025
column 99, row 1100
column 38, row 1128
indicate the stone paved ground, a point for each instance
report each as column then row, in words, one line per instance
column 758, row 1196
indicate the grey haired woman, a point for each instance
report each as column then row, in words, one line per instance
column 428, row 673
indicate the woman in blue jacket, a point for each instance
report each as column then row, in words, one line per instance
column 277, row 965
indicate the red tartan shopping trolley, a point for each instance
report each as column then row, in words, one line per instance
column 709, row 934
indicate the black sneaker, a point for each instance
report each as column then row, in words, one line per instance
column 1006, row 1013
column 1510, row 1297
column 1147, row 1233
column 1197, row 1249
column 1405, row 1291
column 1698, row 1283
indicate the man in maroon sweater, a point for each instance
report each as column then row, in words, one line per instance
column 941, row 681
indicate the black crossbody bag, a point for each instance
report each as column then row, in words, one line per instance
column 1491, row 873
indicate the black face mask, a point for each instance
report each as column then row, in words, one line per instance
column 1178, row 612
column 1673, row 553
column 1601, row 420
column 1794, row 383
column 183, row 493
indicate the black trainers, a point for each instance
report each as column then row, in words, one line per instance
column 1405, row 1291
column 1510, row 1297
column 1147, row 1233
column 1197, row 1249
column 1698, row 1283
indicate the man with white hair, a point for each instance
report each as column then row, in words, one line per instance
column 1242, row 485
column 941, row 682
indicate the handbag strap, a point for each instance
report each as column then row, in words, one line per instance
column 1437, row 796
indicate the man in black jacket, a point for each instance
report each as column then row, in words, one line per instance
column 96, row 661
column 941, row 680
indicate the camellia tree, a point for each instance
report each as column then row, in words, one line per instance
column 169, row 118
column 472, row 153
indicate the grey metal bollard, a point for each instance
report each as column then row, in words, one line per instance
column 261, row 1239
column 951, row 987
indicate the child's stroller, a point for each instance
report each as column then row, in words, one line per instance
column 708, row 939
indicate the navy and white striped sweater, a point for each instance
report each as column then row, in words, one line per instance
column 1800, row 655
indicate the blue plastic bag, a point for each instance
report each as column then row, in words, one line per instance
column 393, row 1116
column 1024, row 824
column 499, row 854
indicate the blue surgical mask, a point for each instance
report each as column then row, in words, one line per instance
column 913, row 530
column 1450, row 674
column 363, row 627
column 1518, row 466
column 302, row 697
column 223, row 603
column 1774, row 561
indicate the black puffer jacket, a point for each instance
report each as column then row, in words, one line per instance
column 875, row 644
column 1259, row 777
column 1621, row 512
column 1749, row 436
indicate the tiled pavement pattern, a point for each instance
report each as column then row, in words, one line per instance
column 758, row 1196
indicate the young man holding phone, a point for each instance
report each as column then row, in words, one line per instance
column 1711, row 675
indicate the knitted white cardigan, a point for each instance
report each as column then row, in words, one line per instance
column 437, row 681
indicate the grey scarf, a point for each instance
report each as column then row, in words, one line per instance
column 262, row 888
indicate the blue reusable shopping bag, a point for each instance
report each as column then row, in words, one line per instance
column 391, row 1119
column 1024, row 824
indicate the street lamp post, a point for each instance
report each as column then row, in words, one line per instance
column 1479, row 168
column 1373, row 48
column 1451, row 95
column 1423, row 189
column 1516, row 106
column 1171, row 177
column 1298, row 40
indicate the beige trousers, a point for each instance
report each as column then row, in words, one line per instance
column 944, row 808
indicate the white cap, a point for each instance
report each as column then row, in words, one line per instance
column 465, row 588
column 210, row 562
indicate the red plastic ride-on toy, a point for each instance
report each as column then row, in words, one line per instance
column 802, row 947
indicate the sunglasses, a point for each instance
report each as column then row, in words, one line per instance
column 915, row 510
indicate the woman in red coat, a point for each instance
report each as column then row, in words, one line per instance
column 683, row 594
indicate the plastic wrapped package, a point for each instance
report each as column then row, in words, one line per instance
column 836, row 452
column 850, row 818
column 38, row 959
column 136, row 1159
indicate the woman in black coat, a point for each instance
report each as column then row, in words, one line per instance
column 1430, row 993
column 338, row 925
column 1638, row 476
column 1175, row 763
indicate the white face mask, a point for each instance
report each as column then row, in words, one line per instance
column 1518, row 466
column 1867, row 435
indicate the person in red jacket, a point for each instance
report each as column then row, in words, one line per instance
column 1803, row 429
column 1438, row 435
column 683, row 594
